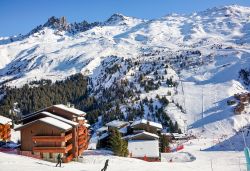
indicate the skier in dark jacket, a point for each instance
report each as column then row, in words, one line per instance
column 59, row 160
column 106, row 165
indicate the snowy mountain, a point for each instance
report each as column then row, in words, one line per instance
column 186, row 58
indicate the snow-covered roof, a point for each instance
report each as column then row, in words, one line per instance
column 117, row 123
column 51, row 121
column 123, row 130
column 177, row 135
column 70, row 109
column 104, row 128
column 141, row 148
column 4, row 120
column 144, row 121
column 167, row 134
column 144, row 133
column 103, row 136
column 60, row 118
column 55, row 122
column 86, row 125
column 81, row 118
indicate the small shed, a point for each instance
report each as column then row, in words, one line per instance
column 144, row 146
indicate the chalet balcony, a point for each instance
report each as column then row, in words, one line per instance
column 53, row 149
column 82, row 141
column 68, row 159
column 52, row 138
column 4, row 133
column 82, row 131
column 5, row 129
column 81, row 122
column 81, row 150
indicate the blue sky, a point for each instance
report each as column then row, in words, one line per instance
column 20, row 16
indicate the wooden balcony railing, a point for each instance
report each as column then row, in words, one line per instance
column 53, row 149
column 69, row 147
column 80, row 132
column 68, row 137
column 52, row 138
column 68, row 159
column 82, row 141
column 80, row 151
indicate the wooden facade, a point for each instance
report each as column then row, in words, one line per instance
column 67, row 134
column 145, row 125
column 244, row 99
column 5, row 128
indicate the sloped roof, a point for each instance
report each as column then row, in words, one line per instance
column 103, row 136
column 86, row 125
column 4, row 120
column 144, row 133
column 123, row 130
column 51, row 121
column 71, row 109
column 117, row 123
column 144, row 121
column 104, row 128
column 57, row 123
column 53, row 116
column 60, row 106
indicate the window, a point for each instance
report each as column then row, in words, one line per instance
column 51, row 155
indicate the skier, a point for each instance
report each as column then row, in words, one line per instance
column 106, row 165
column 59, row 160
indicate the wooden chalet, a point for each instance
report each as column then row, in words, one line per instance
column 103, row 133
column 5, row 128
column 143, row 142
column 53, row 130
column 239, row 108
column 145, row 125
column 244, row 99
column 120, row 125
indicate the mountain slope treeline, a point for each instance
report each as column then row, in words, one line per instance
column 40, row 94
column 75, row 90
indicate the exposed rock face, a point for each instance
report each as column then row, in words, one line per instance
column 61, row 24
column 116, row 19
column 57, row 23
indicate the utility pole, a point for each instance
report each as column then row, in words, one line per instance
column 211, row 164
column 202, row 104
column 244, row 138
column 239, row 163
column 184, row 100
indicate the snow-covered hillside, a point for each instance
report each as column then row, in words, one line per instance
column 202, row 52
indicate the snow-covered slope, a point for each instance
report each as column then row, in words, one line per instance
column 204, row 52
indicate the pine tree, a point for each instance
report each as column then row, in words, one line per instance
column 164, row 143
column 176, row 127
column 171, row 126
column 118, row 145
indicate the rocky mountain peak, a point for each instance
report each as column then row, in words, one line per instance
column 57, row 23
column 116, row 19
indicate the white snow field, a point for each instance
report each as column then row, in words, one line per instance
column 204, row 160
